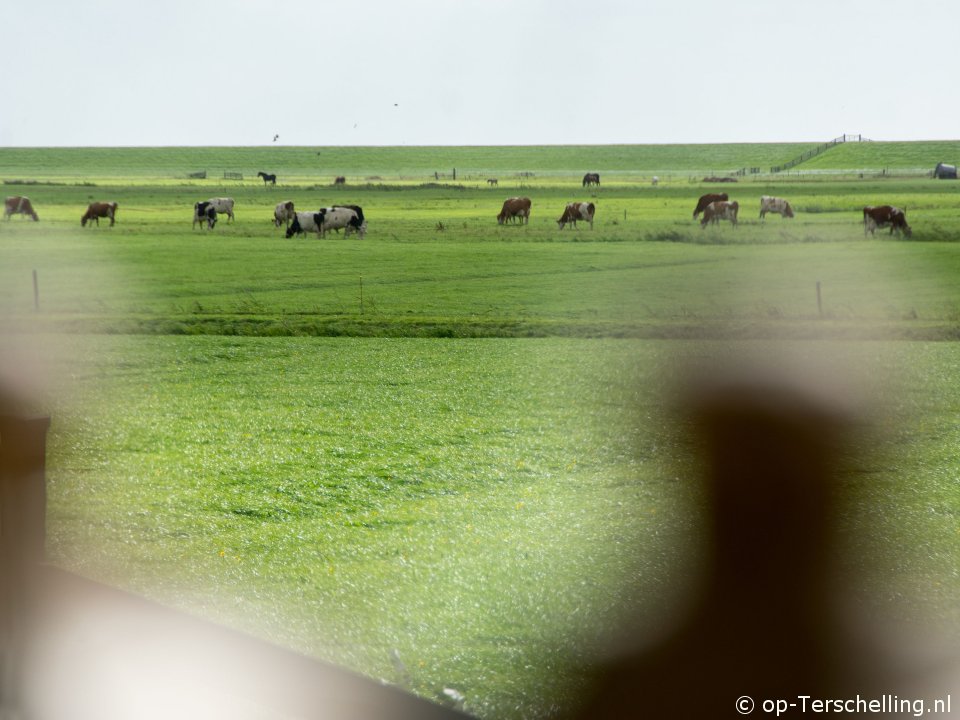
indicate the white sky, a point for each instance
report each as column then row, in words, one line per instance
column 476, row 72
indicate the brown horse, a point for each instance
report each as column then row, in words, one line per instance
column 591, row 179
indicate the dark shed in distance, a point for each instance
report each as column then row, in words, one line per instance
column 945, row 172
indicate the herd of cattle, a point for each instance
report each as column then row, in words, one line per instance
column 714, row 207
column 718, row 206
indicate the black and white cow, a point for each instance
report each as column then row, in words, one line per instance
column 358, row 224
column 204, row 212
column 331, row 218
column 304, row 222
column 224, row 206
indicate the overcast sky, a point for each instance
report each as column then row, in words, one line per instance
column 476, row 72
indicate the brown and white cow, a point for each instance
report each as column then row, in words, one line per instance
column 514, row 208
column 577, row 211
column 706, row 200
column 18, row 205
column 769, row 204
column 97, row 210
column 720, row 210
column 880, row 217
column 283, row 213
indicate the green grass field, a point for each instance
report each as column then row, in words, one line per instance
column 453, row 439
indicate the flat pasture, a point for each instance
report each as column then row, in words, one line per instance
column 455, row 442
column 435, row 262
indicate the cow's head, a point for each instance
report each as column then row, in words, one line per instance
column 899, row 220
column 294, row 227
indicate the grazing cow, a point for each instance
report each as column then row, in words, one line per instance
column 361, row 220
column 706, row 200
column 304, row 222
column 591, row 179
column 97, row 210
column 577, row 211
column 513, row 208
column 331, row 218
column 879, row 217
column 267, row 178
column 283, row 213
column 348, row 217
column 340, row 180
column 18, row 204
column 769, row 204
column 223, row 206
column 720, row 210
column 655, row 181
column 204, row 212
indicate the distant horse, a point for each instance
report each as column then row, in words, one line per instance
column 591, row 179
column 267, row 178
column 340, row 180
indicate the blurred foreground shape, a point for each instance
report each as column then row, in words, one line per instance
column 768, row 618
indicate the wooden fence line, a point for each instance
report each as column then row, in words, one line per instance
column 803, row 157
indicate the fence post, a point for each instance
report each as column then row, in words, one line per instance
column 23, row 505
